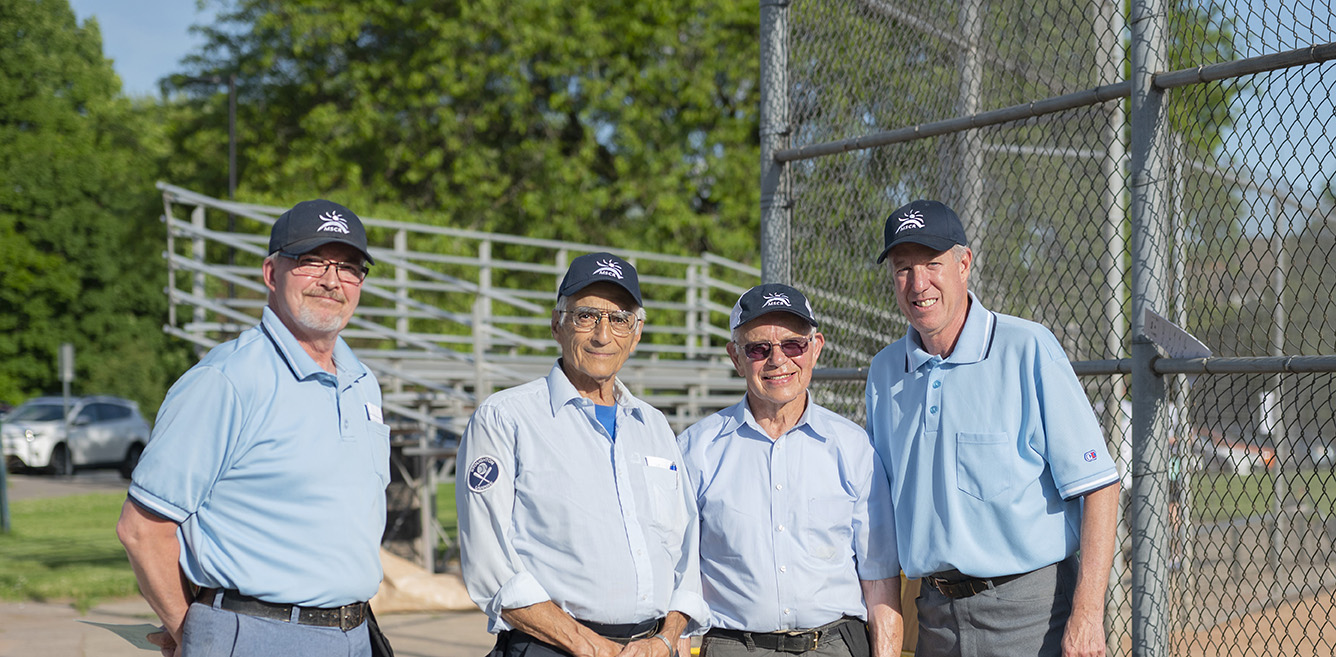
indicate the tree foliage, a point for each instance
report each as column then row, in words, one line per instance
column 629, row 122
column 77, row 221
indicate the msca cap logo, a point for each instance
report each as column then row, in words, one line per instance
column 609, row 268
column 776, row 299
column 483, row 473
column 911, row 219
column 1091, row 455
column 331, row 221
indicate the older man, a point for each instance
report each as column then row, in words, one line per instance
column 797, row 539
column 576, row 528
column 998, row 469
column 264, row 483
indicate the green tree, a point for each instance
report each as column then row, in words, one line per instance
column 77, row 215
column 623, row 122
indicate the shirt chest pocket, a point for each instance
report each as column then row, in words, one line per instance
column 380, row 450
column 985, row 464
column 665, row 503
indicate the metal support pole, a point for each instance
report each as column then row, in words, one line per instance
column 1108, row 31
column 970, row 141
column 1150, row 635
column 776, row 206
column 1274, row 412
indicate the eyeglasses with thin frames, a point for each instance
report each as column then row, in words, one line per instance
column 620, row 322
column 793, row 348
column 313, row 267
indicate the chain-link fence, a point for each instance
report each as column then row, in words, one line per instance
column 1177, row 159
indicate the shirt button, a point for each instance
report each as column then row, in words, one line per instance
column 783, row 569
column 936, row 384
column 933, row 410
column 787, row 612
column 779, row 528
column 779, row 486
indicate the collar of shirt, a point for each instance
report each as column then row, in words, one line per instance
column 561, row 392
column 300, row 363
column 811, row 424
column 976, row 339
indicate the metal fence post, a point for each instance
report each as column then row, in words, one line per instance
column 1108, row 32
column 776, row 207
column 1150, row 603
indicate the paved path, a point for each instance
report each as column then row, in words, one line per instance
column 27, row 487
column 56, row 630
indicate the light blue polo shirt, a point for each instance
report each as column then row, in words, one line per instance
column 987, row 451
column 275, row 470
column 788, row 526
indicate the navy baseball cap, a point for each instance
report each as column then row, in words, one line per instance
column 770, row 298
column 929, row 223
column 600, row 267
column 312, row 224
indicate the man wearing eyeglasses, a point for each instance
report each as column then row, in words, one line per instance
column 254, row 517
column 1005, row 495
column 797, row 539
column 576, row 530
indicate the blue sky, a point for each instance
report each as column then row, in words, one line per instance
column 146, row 39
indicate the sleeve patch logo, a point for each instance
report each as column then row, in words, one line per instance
column 483, row 473
column 1091, row 455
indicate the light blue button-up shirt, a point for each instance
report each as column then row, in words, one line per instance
column 551, row 508
column 788, row 526
column 988, row 450
column 275, row 469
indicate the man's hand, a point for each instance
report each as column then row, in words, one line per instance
column 651, row 647
column 164, row 641
column 1084, row 636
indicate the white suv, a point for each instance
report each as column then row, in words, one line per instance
column 101, row 432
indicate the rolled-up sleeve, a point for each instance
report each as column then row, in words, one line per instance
column 485, row 498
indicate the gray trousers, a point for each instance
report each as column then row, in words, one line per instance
column 213, row 632
column 1026, row 616
column 717, row 646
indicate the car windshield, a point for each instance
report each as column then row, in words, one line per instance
column 36, row 413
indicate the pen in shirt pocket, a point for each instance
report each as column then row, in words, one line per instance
column 660, row 462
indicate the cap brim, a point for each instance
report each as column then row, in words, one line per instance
column 930, row 241
column 311, row 243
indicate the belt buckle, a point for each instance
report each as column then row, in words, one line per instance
column 346, row 618
column 798, row 642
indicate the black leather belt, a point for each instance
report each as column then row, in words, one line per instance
column 796, row 641
column 345, row 618
column 626, row 632
column 953, row 584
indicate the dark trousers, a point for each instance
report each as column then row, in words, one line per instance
column 1025, row 616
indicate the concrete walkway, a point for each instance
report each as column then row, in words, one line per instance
column 29, row 629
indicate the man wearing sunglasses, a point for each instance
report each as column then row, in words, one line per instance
column 254, row 518
column 797, row 540
column 577, row 533
column 997, row 465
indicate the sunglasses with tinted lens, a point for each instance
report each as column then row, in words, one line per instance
column 792, row 348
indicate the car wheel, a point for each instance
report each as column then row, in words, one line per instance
column 61, row 463
column 131, row 460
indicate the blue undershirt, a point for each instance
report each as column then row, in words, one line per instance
column 607, row 416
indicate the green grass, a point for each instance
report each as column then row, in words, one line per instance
column 445, row 510
column 1218, row 496
column 65, row 549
